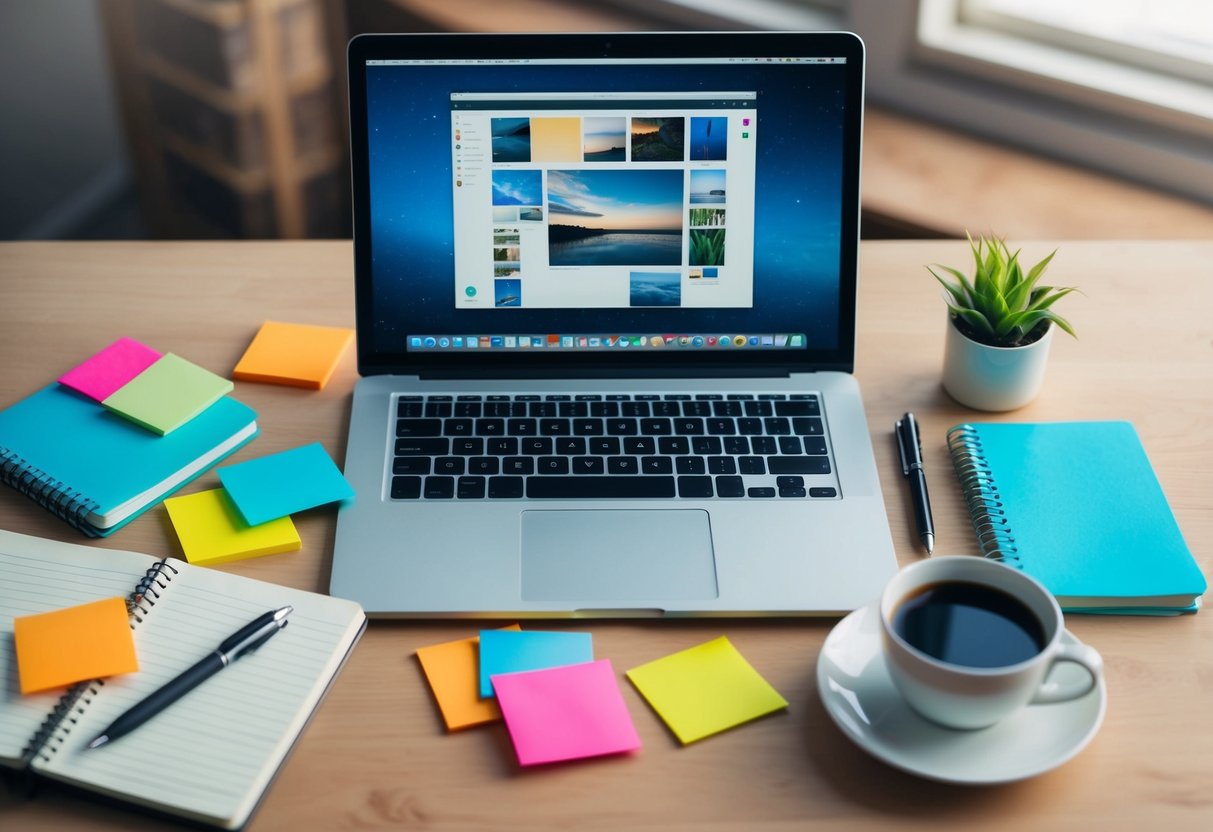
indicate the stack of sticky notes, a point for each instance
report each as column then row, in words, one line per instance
column 158, row 392
column 559, row 703
column 297, row 355
column 249, row 515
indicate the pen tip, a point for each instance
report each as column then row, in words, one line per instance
column 100, row 741
column 928, row 540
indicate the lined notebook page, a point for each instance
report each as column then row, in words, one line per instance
column 36, row 576
column 210, row 755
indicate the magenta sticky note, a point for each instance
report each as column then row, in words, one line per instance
column 110, row 369
column 565, row 713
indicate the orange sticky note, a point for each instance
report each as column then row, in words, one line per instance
column 298, row 355
column 452, row 669
column 62, row 647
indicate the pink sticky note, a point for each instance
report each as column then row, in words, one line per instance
column 110, row 369
column 565, row 713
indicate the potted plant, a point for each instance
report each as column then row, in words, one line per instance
column 1000, row 327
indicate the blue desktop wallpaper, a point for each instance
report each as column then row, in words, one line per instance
column 798, row 193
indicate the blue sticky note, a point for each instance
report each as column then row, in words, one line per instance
column 513, row 651
column 276, row 485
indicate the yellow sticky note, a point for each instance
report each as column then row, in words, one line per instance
column 62, row 647
column 704, row 690
column 299, row 355
column 452, row 671
column 212, row 531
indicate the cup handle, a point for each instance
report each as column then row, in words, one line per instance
column 1077, row 653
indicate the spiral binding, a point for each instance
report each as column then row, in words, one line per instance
column 48, row 492
column 995, row 537
column 52, row 733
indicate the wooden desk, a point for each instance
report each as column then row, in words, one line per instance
column 376, row 755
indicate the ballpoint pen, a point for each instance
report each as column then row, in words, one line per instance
column 244, row 641
column 909, row 446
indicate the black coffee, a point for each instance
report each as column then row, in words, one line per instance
column 969, row 624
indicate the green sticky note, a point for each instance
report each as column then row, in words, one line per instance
column 168, row 394
column 704, row 690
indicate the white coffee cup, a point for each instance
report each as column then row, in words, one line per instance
column 969, row 695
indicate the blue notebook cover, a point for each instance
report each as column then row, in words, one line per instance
column 1077, row 506
column 98, row 470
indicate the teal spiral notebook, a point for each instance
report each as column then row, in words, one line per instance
column 97, row 470
column 1077, row 506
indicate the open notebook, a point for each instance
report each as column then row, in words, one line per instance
column 209, row 757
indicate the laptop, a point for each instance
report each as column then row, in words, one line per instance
column 605, row 292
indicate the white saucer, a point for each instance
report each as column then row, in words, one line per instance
column 859, row 695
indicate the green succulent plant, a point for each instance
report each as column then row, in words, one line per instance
column 1001, row 306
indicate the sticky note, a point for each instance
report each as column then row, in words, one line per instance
column 276, row 485
column 298, row 355
column 211, row 531
column 168, row 394
column 565, row 713
column 65, row 646
column 451, row 669
column 511, row 652
column 102, row 374
column 704, row 690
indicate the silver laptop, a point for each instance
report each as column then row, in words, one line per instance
column 606, row 317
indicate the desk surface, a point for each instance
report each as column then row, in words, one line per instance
column 376, row 755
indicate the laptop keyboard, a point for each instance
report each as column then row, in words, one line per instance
column 613, row 446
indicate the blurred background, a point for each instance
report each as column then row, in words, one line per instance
column 183, row 119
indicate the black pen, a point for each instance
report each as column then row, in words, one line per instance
column 910, row 446
column 244, row 641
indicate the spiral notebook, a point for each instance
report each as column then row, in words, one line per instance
column 211, row 756
column 99, row 471
column 1077, row 506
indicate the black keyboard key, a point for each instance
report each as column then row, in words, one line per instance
column 599, row 487
column 761, row 492
column 604, row 445
column 797, row 408
column 806, row 426
column 696, row 408
column 422, row 447
column 656, row 465
column 726, row 408
column 573, row 410
column 788, row 481
column 467, row 447
column 406, row 488
column 411, row 465
column 418, row 427
column 552, row 465
column 790, row 445
column 483, row 465
column 690, row 465
column 674, row 445
column 694, row 487
column 621, row 427
column 490, row 427
column 722, row 465
column 457, row 427
column 758, row 408
column 583, row 465
column 470, row 410
column 570, row 445
column 505, row 488
column 639, row 445
column 798, row 464
column 449, row 465
column 730, row 487
column 751, row 465
column 603, row 410
column 814, row 445
column 777, row 426
column 656, row 427
column 553, row 427
column 409, row 409
column 587, row 427
column 437, row 409
column 622, row 465
column 710, row 445
column 541, row 410
column 822, row 492
column 502, row 446
column 764, row 445
column 537, row 446
column 749, row 426
column 439, row 488
column 720, row 426
column 688, row 426
column 791, row 492
column 518, row 465
column 666, row 408
column 636, row 409
column 521, row 427
column 469, row 488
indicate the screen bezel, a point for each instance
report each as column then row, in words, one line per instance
column 373, row 361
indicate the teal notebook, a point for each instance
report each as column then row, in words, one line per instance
column 98, row 470
column 1077, row 506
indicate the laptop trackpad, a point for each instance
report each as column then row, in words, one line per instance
column 618, row 557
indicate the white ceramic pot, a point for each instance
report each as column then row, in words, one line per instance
column 993, row 378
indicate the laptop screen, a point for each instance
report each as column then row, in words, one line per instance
column 644, row 201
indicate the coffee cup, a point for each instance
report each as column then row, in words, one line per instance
column 969, row 641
